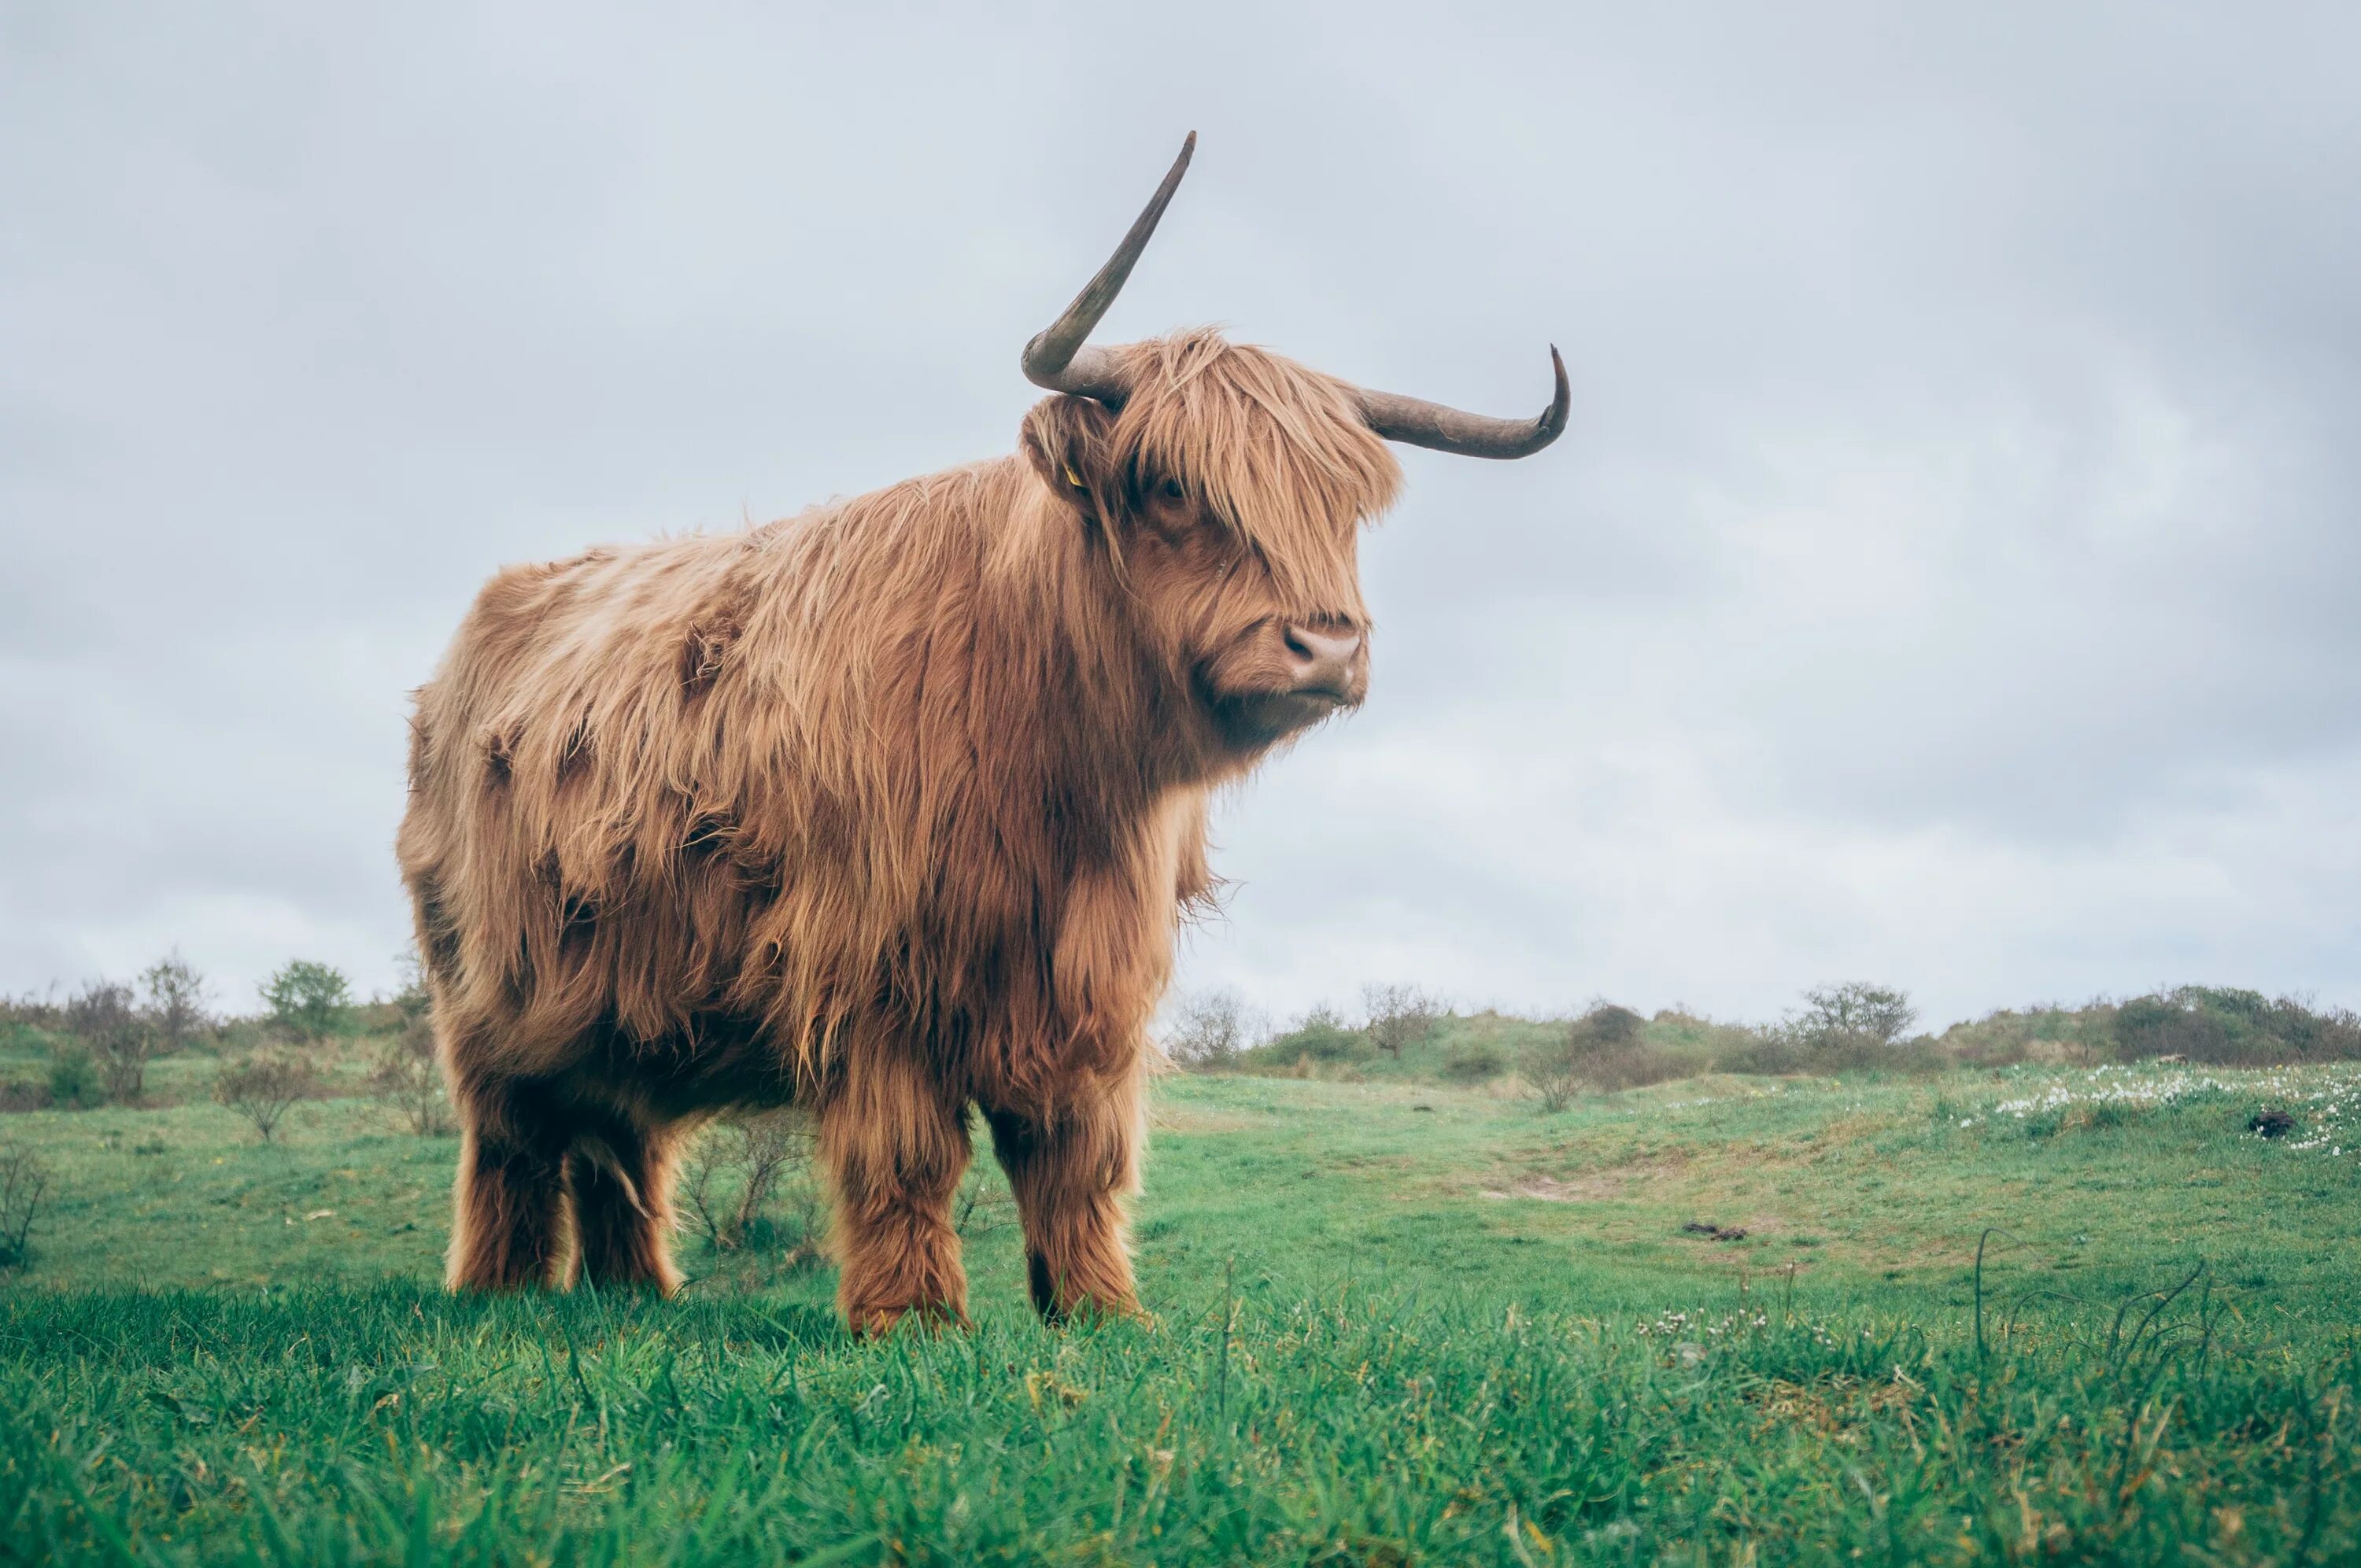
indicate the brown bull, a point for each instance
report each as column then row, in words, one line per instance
column 886, row 810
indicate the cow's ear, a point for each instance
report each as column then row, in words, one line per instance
column 1067, row 440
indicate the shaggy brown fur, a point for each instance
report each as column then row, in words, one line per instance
column 889, row 809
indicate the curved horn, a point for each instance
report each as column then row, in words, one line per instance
column 1057, row 358
column 1421, row 424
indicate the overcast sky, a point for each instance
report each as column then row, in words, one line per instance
column 1949, row 577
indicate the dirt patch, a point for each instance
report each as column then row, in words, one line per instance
column 1609, row 1185
column 1188, row 1119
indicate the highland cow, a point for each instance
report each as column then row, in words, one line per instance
column 890, row 810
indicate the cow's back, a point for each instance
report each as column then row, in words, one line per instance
column 561, row 761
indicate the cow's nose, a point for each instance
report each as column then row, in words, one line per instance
column 1323, row 659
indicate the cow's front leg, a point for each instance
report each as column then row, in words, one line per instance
column 895, row 1148
column 1071, row 1172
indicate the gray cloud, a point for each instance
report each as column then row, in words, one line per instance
column 1948, row 576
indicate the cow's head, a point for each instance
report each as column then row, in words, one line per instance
column 1227, row 486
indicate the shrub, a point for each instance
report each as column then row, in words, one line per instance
column 263, row 1088
column 2310, row 1035
column 407, row 1081
column 738, row 1166
column 1612, row 1053
column 2169, row 1024
column 411, row 999
column 2226, row 1027
column 1605, row 1049
column 307, row 1000
column 1840, row 1029
column 1473, row 1061
column 1843, row 1018
column 75, row 1083
column 102, row 1016
column 1321, row 1036
column 1210, row 1030
column 1771, row 1051
column 1702, row 1042
column 24, row 1182
column 178, row 1003
column 1548, row 1068
column 1399, row 1015
column 28, row 1011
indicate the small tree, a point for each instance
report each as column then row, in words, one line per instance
column 407, row 1081
column 1209, row 1030
column 756, row 1155
column 102, row 1016
column 263, row 1088
column 1399, row 1015
column 24, row 1182
column 307, row 999
column 179, row 1003
column 412, row 996
column 1605, row 1049
column 1859, row 1012
column 1550, row 1067
column 983, row 1204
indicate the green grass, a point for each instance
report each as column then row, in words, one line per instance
column 1397, row 1322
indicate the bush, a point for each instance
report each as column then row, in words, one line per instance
column 1399, row 1015
column 1704, row 1044
column 103, row 1017
column 1840, row 1029
column 2230, row 1027
column 178, row 1007
column 1210, row 1031
column 30, row 1012
column 1612, row 1050
column 1857, row 1018
column 24, row 1182
column 411, row 999
column 1769, row 1052
column 1473, row 1061
column 1321, row 1036
column 1604, row 1050
column 307, row 1000
column 738, row 1166
column 407, row 1081
column 2309, row 1035
column 2174, row 1024
column 75, row 1083
column 263, row 1088
column 1548, row 1068
column 407, row 1078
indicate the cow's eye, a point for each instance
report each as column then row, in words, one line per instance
column 1171, row 492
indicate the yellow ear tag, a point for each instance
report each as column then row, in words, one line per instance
column 1073, row 478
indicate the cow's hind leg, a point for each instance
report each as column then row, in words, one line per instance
column 896, row 1148
column 1071, row 1173
column 621, row 1183
column 508, row 1226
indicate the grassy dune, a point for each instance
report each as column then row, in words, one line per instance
column 1397, row 1322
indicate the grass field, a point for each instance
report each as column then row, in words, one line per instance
column 1398, row 1323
